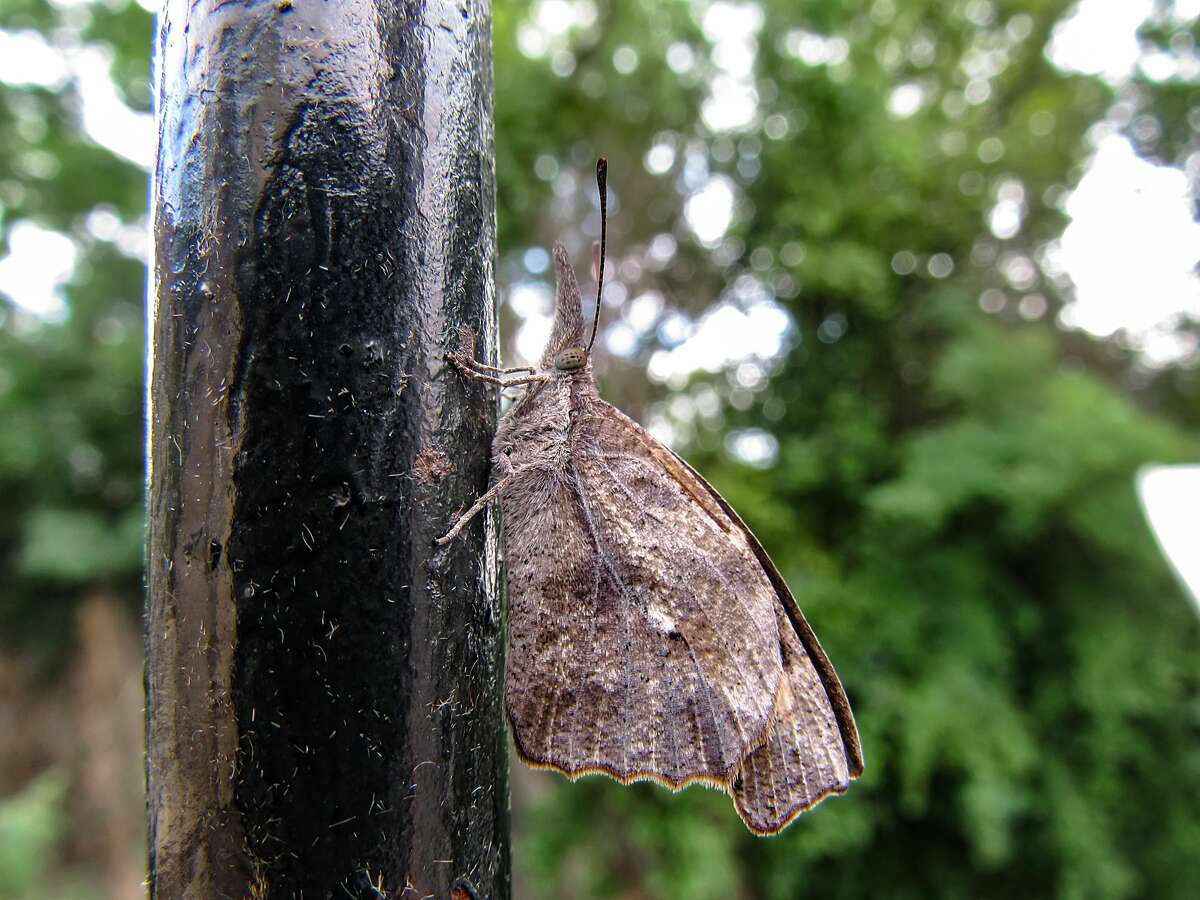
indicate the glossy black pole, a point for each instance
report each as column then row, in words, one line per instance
column 324, row 713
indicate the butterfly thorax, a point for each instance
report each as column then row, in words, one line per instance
column 538, row 427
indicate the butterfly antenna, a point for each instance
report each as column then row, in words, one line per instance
column 602, row 184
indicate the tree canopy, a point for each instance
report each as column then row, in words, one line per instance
column 943, row 471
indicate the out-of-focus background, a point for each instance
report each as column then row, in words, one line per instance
column 912, row 281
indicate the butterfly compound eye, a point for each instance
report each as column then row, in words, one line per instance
column 570, row 359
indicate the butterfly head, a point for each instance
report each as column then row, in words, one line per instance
column 571, row 359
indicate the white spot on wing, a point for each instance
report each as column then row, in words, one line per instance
column 659, row 618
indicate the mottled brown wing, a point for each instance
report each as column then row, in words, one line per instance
column 650, row 647
column 812, row 748
column 804, row 758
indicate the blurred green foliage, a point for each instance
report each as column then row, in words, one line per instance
column 31, row 821
column 71, row 391
column 952, row 499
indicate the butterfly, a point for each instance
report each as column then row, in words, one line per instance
column 650, row 637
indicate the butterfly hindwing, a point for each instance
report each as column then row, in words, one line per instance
column 803, row 759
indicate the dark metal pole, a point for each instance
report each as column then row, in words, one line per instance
column 324, row 711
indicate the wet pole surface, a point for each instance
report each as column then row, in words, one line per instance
column 324, row 712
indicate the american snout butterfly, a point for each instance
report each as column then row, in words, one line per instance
column 650, row 636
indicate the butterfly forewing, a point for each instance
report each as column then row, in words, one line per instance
column 664, row 646
column 811, row 749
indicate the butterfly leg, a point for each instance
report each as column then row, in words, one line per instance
column 493, row 370
column 476, row 509
column 466, row 356
column 465, row 367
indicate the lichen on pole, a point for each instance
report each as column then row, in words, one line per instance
column 324, row 712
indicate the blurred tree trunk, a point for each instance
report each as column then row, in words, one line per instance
column 323, row 683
